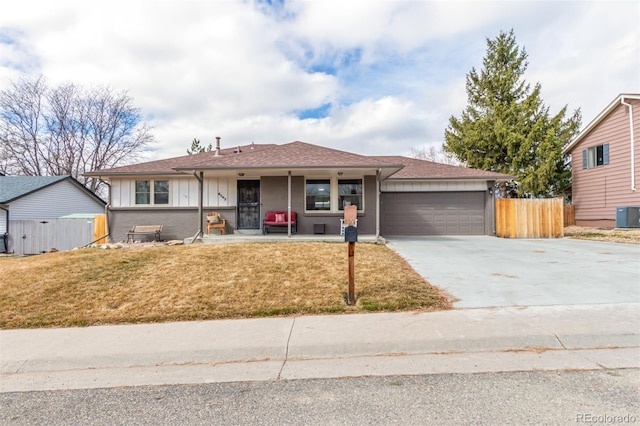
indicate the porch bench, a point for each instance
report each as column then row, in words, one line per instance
column 279, row 218
column 154, row 230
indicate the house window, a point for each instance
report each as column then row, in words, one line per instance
column 595, row 156
column 333, row 195
column 143, row 192
column 349, row 193
column 159, row 195
column 318, row 194
column 161, row 192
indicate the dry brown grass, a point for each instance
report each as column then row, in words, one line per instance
column 203, row 282
column 631, row 236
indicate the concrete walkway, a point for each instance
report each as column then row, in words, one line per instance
column 459, row 341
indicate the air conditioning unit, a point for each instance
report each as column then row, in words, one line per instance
column 628, row 217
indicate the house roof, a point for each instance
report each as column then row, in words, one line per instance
column 301, row 156
column 295, row 155
column 423, row 169
column 14, row 187
column 169, row 165
column 617, row 101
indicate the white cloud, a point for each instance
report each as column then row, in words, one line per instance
column 393, row 71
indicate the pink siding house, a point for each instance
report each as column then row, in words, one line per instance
column 605, row 161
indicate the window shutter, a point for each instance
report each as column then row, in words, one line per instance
column 584, row 158
column 605, row 153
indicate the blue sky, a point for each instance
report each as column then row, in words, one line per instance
column 372, row 77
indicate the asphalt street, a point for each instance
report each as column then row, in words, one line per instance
column 519, row 398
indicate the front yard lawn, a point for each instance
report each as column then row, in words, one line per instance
column 204, row 282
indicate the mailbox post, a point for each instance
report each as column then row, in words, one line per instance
column 351, row 237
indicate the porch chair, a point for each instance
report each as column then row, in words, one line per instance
column 350, row 218
column 215, row 221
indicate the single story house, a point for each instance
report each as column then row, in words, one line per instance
column 394, row 195
column 41, row 198
column 605, row 158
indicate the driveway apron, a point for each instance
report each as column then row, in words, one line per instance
column 484, row 271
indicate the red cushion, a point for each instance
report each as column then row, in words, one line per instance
column 271, row 216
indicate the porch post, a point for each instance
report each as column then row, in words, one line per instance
column 200, row 200
column 289, row 203
column 199, row 177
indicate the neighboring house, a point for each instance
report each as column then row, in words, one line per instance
column 41, row 198
column 605, row 158
column 395, row 195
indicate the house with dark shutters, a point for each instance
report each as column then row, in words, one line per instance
column 605, row 159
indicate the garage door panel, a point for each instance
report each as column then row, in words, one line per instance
column 435, row 213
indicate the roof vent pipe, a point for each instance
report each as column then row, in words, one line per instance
column 217, row 145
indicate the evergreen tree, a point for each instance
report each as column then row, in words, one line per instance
column 196, row 148
column 507, row 128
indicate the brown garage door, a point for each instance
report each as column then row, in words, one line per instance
column 432, row 213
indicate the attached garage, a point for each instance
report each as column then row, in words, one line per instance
column 433, row 213
column 427, row 198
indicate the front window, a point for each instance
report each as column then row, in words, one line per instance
column 318, row 194
column 349, row 193
column 159, row 194
column 333, row 195
column 143, row 192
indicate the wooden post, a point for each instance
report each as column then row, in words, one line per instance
column 351, row 298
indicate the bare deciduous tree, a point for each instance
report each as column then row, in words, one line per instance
column 68, row 130
column 431, row 154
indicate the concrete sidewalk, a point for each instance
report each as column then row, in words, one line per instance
column 458, row 341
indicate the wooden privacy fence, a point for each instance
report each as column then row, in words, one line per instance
column 530, row 218
column 569, row 215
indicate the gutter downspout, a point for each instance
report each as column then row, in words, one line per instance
column 633, row 159
column 6, row 231
column 289, row 203
column 106, row 212
column 378, row 174
column 200, row 178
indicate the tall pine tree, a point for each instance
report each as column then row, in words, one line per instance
column 507, row 128
column 196, row 148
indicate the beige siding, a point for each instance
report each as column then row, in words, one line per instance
column 183, row 192
column 432, row 186
column 598, row 191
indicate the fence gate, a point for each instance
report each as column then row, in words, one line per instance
column 40, row 236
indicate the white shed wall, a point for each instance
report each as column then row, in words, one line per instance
column 3, row 221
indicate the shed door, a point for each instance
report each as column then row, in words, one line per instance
column 432, row 213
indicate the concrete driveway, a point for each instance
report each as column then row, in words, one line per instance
column 487, row 271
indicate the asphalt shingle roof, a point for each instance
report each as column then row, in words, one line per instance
column 296, row 155
column 300, row 155
column 168, row 165
column 12, row 187
column 423, row 169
